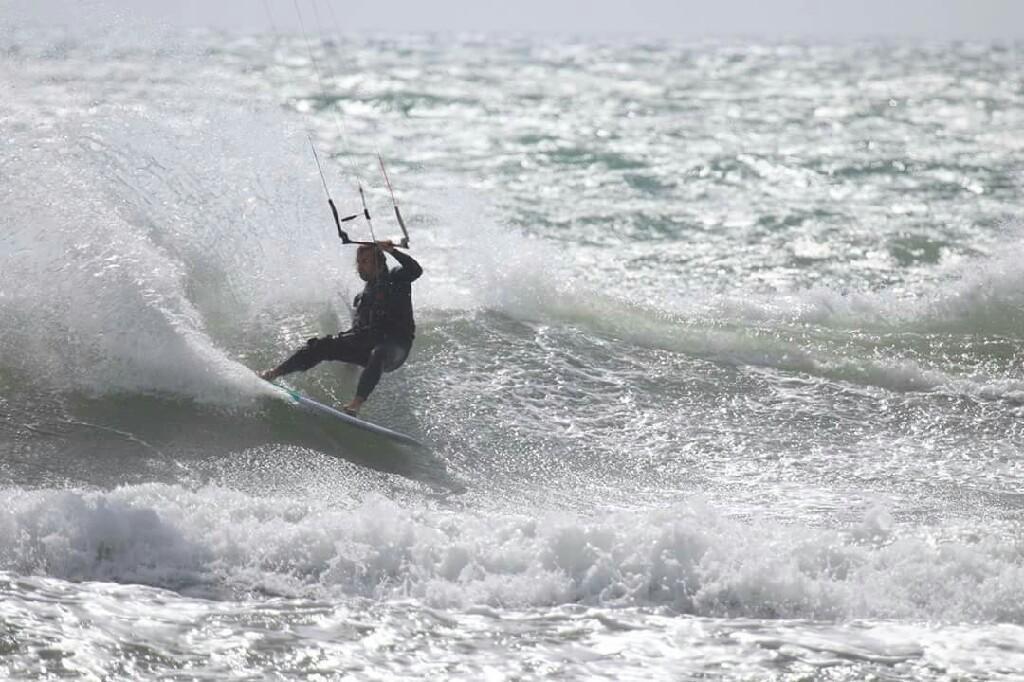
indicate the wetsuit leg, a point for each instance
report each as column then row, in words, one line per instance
column 386, row 356
column 350, row 348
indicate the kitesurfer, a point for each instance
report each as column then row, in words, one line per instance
column 382, row 331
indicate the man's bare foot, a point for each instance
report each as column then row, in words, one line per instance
column 352, row 407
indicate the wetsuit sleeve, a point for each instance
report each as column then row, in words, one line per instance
column 410, row 270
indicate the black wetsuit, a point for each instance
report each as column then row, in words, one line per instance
column 381, row 334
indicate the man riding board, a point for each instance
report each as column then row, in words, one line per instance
column 382, row 331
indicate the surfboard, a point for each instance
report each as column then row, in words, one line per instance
column 311, row 405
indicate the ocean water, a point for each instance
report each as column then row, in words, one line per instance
column 718, row 357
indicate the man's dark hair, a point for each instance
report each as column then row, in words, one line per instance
column 382, row 262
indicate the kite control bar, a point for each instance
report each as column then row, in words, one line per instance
column 338, row 220
column 343, row 236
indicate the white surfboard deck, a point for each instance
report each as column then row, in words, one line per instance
column 303, row 402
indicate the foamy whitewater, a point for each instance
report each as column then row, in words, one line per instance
column 718, row 357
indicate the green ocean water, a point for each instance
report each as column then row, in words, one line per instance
column 717, row 358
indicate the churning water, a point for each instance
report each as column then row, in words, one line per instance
column 718, row 358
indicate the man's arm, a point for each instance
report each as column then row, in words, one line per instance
column 410, row 270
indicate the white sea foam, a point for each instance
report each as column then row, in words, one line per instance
column 669, row 269
column 100, row 309
column 134, row 259
column 689, row 557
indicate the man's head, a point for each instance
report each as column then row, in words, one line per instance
column 370, row 262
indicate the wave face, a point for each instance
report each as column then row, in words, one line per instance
column 717, row 351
